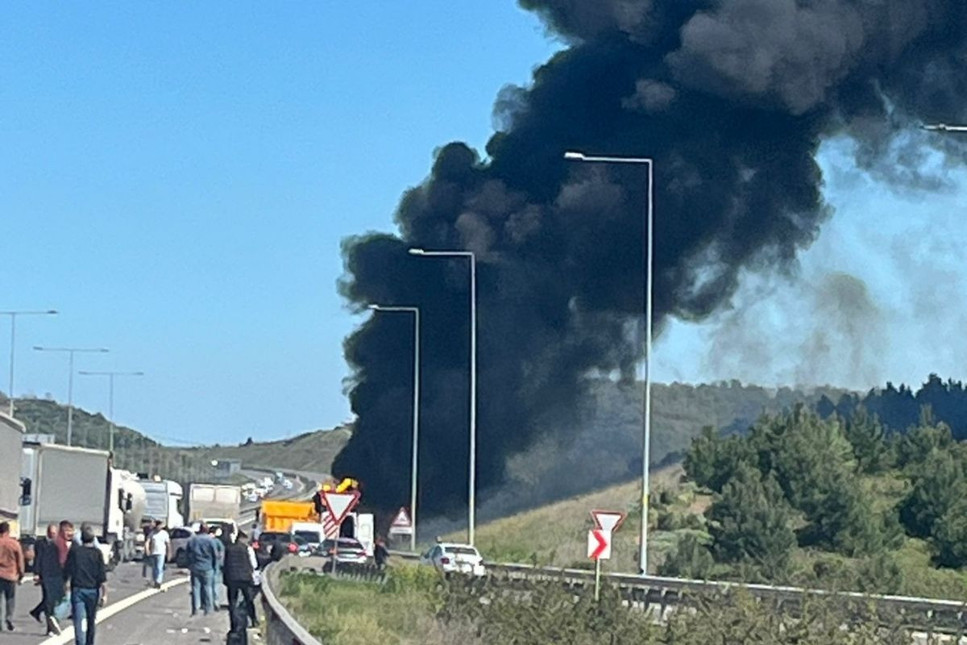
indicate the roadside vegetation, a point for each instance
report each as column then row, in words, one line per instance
column 834, row 503
column 416, row 606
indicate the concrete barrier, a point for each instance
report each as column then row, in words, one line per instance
column 280, row 627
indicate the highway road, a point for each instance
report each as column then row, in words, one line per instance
column 135, row 615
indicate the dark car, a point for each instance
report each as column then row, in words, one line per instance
column 272, row 545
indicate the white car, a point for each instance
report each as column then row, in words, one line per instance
column 178, row 540
column 448, row 557
column 287, row 484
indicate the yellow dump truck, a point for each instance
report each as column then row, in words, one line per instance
column 277, row 515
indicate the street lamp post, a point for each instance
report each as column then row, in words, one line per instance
column 110, row 398
column 13, row 340
column 416, row 409
column 471, row 515
column 649, row 253
column 943, row 127
column 70, row 379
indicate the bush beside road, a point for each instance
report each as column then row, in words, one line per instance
column 416, row 605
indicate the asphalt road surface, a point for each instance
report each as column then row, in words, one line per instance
column 135, row 614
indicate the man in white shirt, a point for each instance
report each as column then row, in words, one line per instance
column 158, row 552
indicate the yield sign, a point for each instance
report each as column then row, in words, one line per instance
column 339, row 504
column 599, row 544
column 609, row 521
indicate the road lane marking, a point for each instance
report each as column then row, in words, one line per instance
column 67, row 635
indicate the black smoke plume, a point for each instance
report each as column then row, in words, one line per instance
column 731, row 98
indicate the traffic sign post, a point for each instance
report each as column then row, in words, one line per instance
column 599, row 542
column 340, row 505
column 401, row 524
column 599, row 548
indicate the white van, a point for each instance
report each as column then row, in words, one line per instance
column 312, row 532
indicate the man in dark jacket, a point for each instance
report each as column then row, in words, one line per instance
column 50, row 577
column 239, row 572
column 88, row 578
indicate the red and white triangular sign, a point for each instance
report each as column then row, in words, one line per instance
column 608, row 521
column 340, row 504
column 402, row 520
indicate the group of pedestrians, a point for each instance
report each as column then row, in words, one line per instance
column 214, row 558
column 63, row 561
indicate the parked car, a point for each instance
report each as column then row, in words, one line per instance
column 348, row 550
column 179, row 539
column 448, row 557
column 272, row 545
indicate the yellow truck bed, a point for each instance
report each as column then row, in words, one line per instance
column 278, row 515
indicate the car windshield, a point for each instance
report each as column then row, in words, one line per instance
column 462, row 550
column 308, row 536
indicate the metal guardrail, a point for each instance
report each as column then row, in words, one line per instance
column 280, row 627
column 928, row 614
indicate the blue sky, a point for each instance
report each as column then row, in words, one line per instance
column 176, row 179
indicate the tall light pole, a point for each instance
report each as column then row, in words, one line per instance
column 416, row 409
column 471, row 515
column 650, row 264
column 110, row 398
column 943, row 127
column 70, row 379
column 13, row 340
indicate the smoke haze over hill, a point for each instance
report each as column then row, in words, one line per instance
column 732, row 100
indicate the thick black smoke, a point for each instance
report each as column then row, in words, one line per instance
column 731, row 98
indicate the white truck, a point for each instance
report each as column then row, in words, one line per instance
column 163, row 502
column 214, row 502
column 11, row 439
column 360, row 526
column 79, row 485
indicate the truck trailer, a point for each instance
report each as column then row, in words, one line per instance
column 214, row 501
column 79, row 485
column 11, row 440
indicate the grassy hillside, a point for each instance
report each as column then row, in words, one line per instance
column 556, row 534
column 311, row 451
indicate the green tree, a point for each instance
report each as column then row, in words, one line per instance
column 949, row 540
column 713, row 460
column 872, row 450
column 938, row 485
column 691, row 559
column 915, row 446
column 750, row 522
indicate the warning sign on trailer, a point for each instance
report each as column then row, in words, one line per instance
column 401, row 523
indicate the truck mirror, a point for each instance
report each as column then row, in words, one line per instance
column 26, row 489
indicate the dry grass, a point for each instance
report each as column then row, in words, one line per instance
column 556, row 534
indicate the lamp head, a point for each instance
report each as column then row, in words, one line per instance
column 573, row 155
column 417, row 252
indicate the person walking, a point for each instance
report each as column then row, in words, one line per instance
column 158, row 547
column 241, row 567
column 380, row 553
column 147, row 571
column 49, row 575
column 201, row 565
column 88, row 581
column 219, row 539
column 11, row 573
